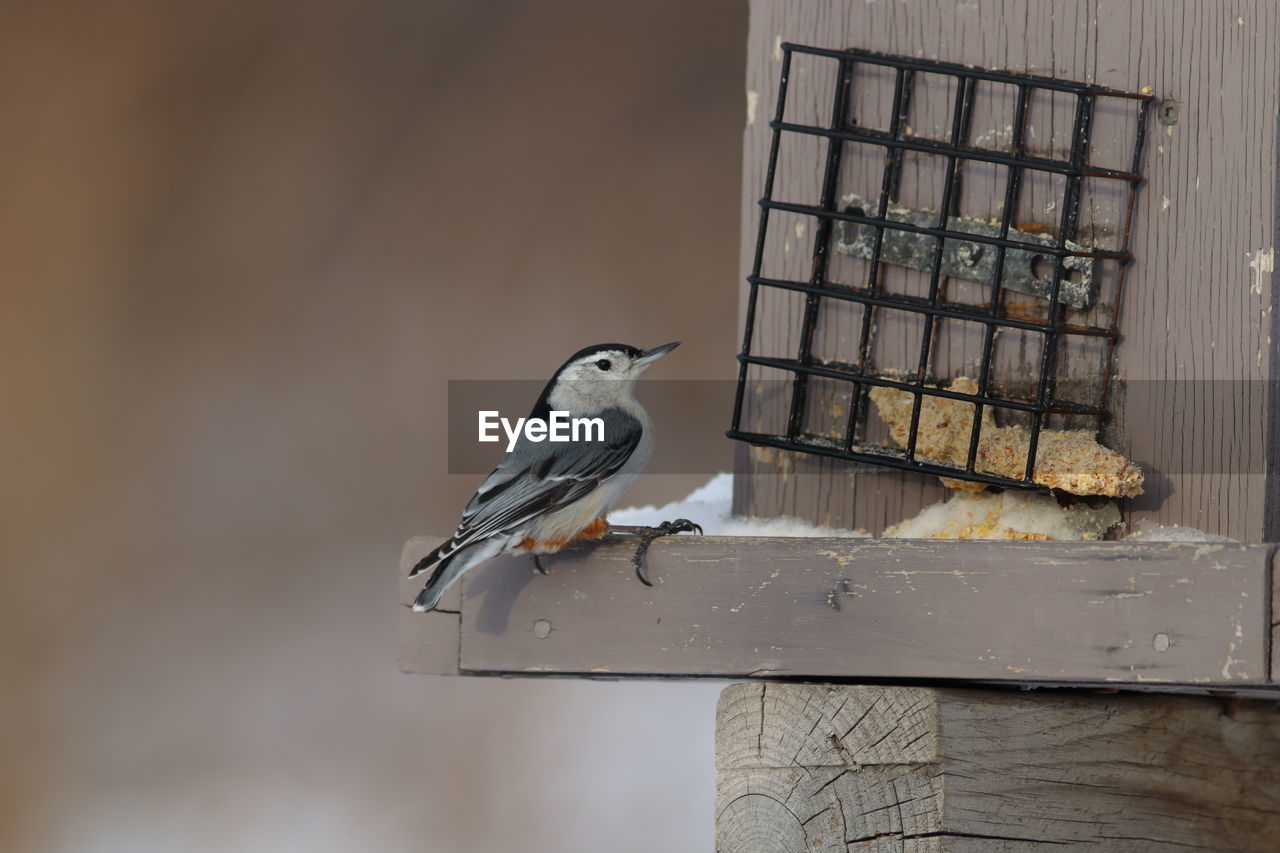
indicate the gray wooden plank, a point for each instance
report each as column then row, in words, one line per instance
column 817, row 767
column 1274, row 609
column 427, row 642
column 1196, row 318
column 1133, row 614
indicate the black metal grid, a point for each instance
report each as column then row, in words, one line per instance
column 957, row 151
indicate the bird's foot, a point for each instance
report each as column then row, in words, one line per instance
column 646, row 535
column 537, row 564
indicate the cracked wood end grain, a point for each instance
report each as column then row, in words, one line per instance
column 813, row 767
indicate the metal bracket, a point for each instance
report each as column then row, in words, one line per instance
column 969, row 261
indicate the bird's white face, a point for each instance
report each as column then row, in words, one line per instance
column 604, row 377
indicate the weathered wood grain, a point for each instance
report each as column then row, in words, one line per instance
column 1136, row 614
column 426, row 642
column 1275, row 617
column 813, row 767
column 1197, row 318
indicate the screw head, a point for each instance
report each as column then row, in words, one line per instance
column 1167, row 112
column 1160, row 642
column 542, row 629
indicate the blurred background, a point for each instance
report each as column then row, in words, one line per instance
column 243, row 248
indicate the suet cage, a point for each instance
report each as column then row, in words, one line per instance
column 920, row 253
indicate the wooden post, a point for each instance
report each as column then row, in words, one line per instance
column 812, row 767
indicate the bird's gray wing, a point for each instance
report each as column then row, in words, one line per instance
column 537, row 477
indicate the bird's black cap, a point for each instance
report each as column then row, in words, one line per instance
column 598, row 348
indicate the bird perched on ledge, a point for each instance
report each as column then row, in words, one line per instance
column 547, row 495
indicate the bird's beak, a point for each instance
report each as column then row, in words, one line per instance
column 649, row 356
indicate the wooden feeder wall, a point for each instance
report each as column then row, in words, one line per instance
column 1193, row 400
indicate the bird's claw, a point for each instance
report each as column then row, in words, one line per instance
column 648, row 534
column 537, row 564
column 680, row 525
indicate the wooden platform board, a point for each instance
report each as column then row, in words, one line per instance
column 1145, row 616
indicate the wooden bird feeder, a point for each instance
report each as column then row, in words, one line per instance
column 1072, row 207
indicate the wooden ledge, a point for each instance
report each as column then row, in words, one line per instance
column 1144, row 615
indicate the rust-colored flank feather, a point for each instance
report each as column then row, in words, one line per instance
column 594, row 530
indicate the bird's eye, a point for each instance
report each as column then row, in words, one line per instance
column 604, row 364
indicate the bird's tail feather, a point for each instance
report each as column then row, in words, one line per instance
column 438, row 556
column 447, row 563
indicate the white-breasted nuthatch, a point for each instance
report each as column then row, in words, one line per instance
column 545, row 494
